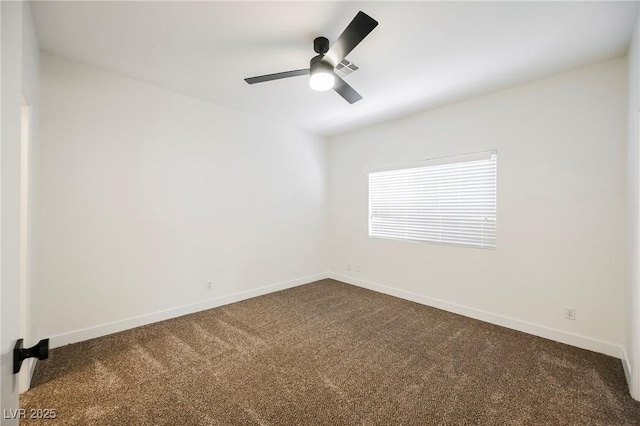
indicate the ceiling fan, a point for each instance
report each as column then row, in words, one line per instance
column 325, row 69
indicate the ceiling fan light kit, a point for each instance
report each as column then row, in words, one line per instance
column 322, row 75
column 322, row 68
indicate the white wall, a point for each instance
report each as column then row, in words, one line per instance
column 561, row 208
column 20, row 53
column 145, row 195
column 632, row 341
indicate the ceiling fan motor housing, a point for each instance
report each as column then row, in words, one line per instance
column 317, row 64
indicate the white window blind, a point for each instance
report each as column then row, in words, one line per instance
column 449, row 200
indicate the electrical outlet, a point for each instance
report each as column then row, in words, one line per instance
column 358, row 268
column 570, row 313
column 209, row 285
column 348, row 266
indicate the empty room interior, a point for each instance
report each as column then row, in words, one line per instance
column 331, row 213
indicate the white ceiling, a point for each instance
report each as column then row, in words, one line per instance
column 421, row 55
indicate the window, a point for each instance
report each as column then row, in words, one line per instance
column 449, row 200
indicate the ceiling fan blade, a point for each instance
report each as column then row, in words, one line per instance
column 355, row 32
column 276, row 76
column 346, row 91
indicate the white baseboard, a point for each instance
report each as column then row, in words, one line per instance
column 626, row 364
column 526, row 327
column 126, row 324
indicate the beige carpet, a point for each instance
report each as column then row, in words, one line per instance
column 332, row 354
